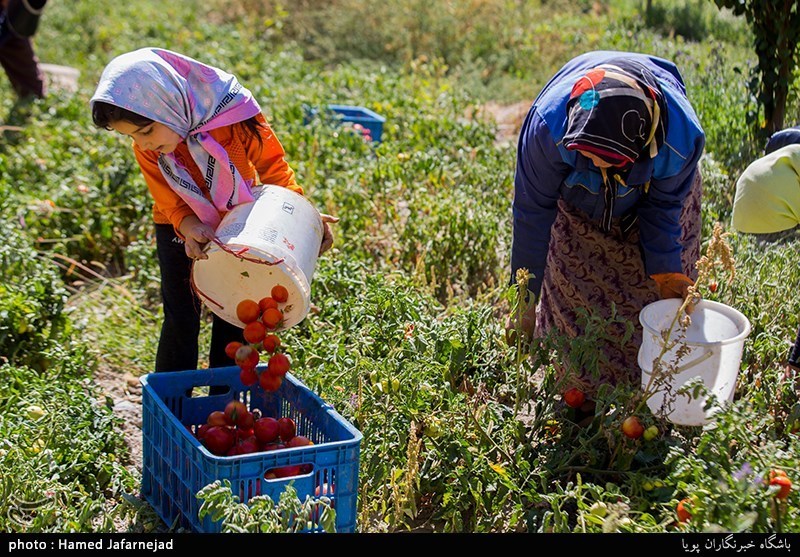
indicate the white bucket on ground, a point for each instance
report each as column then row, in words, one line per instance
column 714, row 342
column 60, row 77
column 280, row 225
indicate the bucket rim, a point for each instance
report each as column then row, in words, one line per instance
column 719, row 307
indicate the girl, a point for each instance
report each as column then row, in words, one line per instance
column 201, row 141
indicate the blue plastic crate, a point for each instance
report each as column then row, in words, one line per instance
column 176, row 465
column 355, row 115
column 360, row 115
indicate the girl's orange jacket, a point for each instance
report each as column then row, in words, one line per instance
column 250, row 158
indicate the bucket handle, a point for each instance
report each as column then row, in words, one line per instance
column 700, row 359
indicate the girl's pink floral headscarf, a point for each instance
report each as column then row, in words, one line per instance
column 190, row 98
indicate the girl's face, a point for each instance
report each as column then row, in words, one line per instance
column 150, row 137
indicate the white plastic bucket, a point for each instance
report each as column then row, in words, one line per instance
column 279, row 226
column 60, row 77
column 713, row 343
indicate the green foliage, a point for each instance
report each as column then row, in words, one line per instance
column 33, row 322
column 776, row 36
column 695, row 20
column 462, row 432
column 60, row 453
column 261, row 514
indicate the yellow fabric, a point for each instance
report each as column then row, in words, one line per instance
column 768, row 193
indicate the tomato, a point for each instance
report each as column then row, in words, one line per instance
column 598, row 509
column 299, row 441
column 247, row 311
column 286, row 471
column 217, row 417
column 249, row 445
column 245, row 421
column 270, row 382
column 574, row 398
column 713, row 286
column 248, row 376
column 286, row 428
column 271, row 343
column 246, row 357
column 279, row 293
column 271, row 318
column 632, row 427
column 278, row 364
column 775, row 472
column 231, row 348
column 202, row 429
column 273, row 447
column 254, row 332
column 266, row 429
column 650, row 433
column 265, row 303
column 683, row 514
column 219, row 439
column 234, row 411
column 785, row 484
column 325, row 489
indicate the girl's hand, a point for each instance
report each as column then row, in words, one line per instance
column 327, row 234
column 197, row 235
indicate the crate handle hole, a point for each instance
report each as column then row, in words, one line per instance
column 289, row 471
column 200, row 391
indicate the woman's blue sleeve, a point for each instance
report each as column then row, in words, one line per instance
column 659, row 213
column 539, row 174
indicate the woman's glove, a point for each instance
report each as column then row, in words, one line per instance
column 674, row 285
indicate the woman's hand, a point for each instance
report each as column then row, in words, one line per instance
column 674, row 285
column 196, row 235
column 327, row 234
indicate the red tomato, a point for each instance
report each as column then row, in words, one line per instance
column 234, row 411
column 245, row 421
column 249, row 445
column 785, row 485
column 202, row 429
column 270, row 382
column 286, row 471
column 246, row 357
column 713, row 286
column 217, row 418
column 271, row 343
column 265, row 303
column 279, row 293
column 219, row 439
column 248, row 376
column 299, row 441
column 632, row 427
column 254, row 332
column 231, row 348
column 278, row 364
column 574, row 398
column 247, row 311
column 286, row 428
column 271, row 318
column 266, row 429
